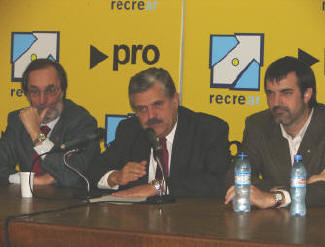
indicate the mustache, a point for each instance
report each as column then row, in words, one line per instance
column 41, row 107
column 153, row 121
column 283, row 108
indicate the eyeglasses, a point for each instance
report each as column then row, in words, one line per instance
column 49, row 91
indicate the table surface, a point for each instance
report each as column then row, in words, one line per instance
column 194, row 221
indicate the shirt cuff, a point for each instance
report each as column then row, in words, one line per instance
column 14, row 178
column 103, row 184
column 44, row 147
column 287, row 198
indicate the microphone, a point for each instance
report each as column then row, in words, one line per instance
column 157, row 153
column 153, row 141
column 81, row 141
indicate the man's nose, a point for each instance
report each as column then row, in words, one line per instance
column 152, row 113
column 277, row 100
column 42, row 98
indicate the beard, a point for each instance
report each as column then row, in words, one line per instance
column 285, row 116
column 53, row 111
column 51, row 114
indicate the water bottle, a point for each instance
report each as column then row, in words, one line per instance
column 298, row 187
column 242, row 184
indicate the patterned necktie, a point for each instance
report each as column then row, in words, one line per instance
column 37, row 168
column 163, row 159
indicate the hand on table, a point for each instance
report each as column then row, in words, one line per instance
column 44, row 179
column 144, row 190
column 259, row 198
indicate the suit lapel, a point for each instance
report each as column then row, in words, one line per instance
column 141, row 150
column 312, row 138
column 58, row 128
column 281, row 153
column 181, row 145
column 28, row 145
column 57, row 134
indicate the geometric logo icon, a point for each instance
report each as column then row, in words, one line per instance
column 96, row 56
column 306, row 58
column 235, row 61
column 111, row 123
column 28, row 46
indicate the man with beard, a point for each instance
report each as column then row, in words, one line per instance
column 194, row 145
column 294, row 124
column 49, row 121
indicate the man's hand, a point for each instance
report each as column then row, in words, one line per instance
column 261, row 198
column 144, row 190
column 317, row 178
column 44, row 179
column 32, row 120
column 258, row 198
column 230, row 195
column 132, row 171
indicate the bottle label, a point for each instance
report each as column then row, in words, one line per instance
column 242, row 178
column 298, row 182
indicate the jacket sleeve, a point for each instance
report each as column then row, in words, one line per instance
column 82, row 124
column 9, row 149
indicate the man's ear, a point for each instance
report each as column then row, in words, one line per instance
column 307, row 94
column 176, row 98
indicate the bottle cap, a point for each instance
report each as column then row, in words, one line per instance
column 242, row 156
column 297, row 157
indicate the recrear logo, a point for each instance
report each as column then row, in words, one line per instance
column 133, row 5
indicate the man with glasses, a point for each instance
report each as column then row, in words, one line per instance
column 49, row 121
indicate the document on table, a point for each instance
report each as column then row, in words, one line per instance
column 114, row 199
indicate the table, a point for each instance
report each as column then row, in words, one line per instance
column 188, row 222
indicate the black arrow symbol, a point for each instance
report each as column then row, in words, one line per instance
column 306, row 58
column 96, row 56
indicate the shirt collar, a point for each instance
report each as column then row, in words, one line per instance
column 52, row 123
column 301, row 132
column 171, row 135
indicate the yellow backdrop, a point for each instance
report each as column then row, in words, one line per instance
column 138, row 34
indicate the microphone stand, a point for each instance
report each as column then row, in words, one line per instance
column 88, row 195
column 164, row 196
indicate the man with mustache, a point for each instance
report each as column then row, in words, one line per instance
column 49, row 121
column 196, row 145
column 293, row 124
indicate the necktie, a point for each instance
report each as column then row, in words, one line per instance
column 163, row 159
column 37, row 168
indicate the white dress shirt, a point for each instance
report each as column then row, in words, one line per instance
column 294, row 143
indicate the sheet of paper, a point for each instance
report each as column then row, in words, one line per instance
column 117, row 200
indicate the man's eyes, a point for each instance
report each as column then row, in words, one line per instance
column 158, row 103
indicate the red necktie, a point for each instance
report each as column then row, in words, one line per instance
column 37, row 168
column 163, row 159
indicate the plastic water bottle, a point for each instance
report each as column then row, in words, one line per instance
column 242, row 184
column 298, row 187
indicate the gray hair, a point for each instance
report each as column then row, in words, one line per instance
column 145, row 79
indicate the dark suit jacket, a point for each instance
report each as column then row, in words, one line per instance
column 199, row 154
column 269, row 154
column 16, row 146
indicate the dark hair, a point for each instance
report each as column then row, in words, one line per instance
column 41, row 64
column 145, row 79
column 279, row 69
